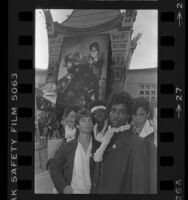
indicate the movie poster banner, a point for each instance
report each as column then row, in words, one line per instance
column 83, row 70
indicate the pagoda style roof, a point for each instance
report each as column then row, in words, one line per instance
column 89, row 18
column 89, row 22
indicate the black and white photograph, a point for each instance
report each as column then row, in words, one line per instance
column 96, row 75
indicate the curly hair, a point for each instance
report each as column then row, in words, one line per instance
column 120, row 98
column 82, row 113
column 94, row 44
column 140, row 102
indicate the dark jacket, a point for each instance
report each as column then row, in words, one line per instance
column 124, row 169
column 61, row 166
column 150, row 137
column 152, row 159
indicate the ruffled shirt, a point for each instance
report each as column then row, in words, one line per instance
column 146, row 130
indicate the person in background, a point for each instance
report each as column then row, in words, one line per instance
column 151, row 144
column 98, row 110
column 140, row 115
column 69, row 122
column 72, row 167
column 122, row 162
column 67, row 131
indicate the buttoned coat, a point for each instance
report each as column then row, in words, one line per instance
column 124, row 168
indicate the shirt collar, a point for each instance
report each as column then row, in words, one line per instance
column 89, row 147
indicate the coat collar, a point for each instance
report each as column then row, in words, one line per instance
column 72, row 145
column 95, row 146
column 119, row 140
column 150, row 137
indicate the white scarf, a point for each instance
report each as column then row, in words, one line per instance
column 98, row 136
column 98, row 155
column 146, row 130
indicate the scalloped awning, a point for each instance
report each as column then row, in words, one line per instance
column 89, row 22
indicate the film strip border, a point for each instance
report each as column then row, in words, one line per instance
column 170, row 96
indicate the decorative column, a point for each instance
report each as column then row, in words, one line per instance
column 122, row 49
column 54, row 44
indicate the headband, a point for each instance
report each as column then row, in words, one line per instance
column 97, row 107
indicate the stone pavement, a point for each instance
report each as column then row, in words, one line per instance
column 43, row 183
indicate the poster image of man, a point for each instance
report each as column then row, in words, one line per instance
column 83, row 70
column 96, row 59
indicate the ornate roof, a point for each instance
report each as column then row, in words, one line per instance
column 89, row 22
column 89, row 18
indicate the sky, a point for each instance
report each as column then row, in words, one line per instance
column 146, row 52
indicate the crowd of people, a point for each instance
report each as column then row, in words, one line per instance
column 108, row 148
